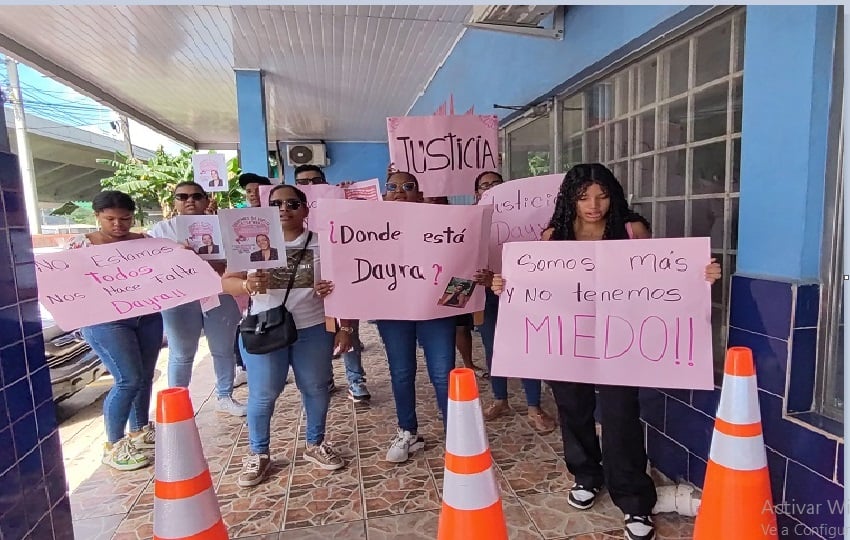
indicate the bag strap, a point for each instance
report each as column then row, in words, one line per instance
column 297, row 263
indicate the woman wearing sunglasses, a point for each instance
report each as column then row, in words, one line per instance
column 183, row 324
column 309, row 356
column 437, row 338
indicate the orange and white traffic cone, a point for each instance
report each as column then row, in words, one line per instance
column 185, row 506
column 472, row 506
column 736, row 498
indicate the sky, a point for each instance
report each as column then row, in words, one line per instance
column 49, row 98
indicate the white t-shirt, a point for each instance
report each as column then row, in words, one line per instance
column 307, row 309
column 166, row 229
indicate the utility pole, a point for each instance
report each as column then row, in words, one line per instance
column 24, row 152
column 125, row 130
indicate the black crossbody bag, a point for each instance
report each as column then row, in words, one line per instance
column 273, row 329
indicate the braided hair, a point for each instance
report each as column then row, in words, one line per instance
column 575, row 184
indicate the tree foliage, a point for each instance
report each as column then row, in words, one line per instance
column 151, row 183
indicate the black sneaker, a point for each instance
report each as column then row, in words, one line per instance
column 639, row 527
column 582, row 497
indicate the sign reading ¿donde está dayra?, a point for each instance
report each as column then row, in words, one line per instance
column 110, row 282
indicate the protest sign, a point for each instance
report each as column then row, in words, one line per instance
column 365, row 190
column 621, row 312
column 445, row 153
column 314, row 192
column 522, row 209
column 252, row 238
column 110, row 282
column 402, row 261
column 203, row 235
column 210, row 171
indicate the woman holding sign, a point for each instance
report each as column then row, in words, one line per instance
column 294, row 287
column 184, row 323
column 537, row 417
column 591, row 205
column 437, row 338
column 128, row 348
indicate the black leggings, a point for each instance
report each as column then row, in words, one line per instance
column 621, row 463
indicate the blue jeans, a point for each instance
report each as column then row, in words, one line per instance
column 129, row 349
column 310, row 358
column 499, row 385
column 183, row 325
column 437, row 338
column 354, row 372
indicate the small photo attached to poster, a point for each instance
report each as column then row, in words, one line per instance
column 457, row 293
column 203, row 235
column 367, row 190
column 210, row 171
column 252, row 238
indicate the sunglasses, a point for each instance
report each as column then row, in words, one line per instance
column 407, row 186
column 288, row 204
column 308, row 181
column 187, row 196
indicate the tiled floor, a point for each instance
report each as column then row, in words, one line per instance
column 370, row 498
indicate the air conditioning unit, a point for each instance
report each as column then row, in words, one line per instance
column 306, row 154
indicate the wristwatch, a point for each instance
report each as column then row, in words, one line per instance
column 346, row 329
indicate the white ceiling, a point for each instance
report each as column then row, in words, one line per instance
column 331, row 72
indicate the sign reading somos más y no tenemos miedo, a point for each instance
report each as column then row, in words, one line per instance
column 620, row 312
column 445, row 153
column 110, row 282
column 401, row 261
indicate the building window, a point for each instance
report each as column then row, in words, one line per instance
column 831, row 328
column 669, row 127
column 529, row 147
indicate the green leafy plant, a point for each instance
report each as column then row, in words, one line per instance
column 151, row 183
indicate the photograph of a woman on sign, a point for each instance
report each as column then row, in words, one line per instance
column 210, row 171
column 457, row 293
column 266, row 252
column 215, row 179
column 207, row 247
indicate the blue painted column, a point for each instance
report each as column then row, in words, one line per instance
column 251, row 108
column 787, row 78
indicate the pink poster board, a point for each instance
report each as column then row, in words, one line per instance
column 203, row 235
column 252, row 238
column 621, row 312
column 210, row 172
column 445, row 153
column 402, row 261
column 111, row 282
column 314, row 192
column 522, row 209
column 366, row 190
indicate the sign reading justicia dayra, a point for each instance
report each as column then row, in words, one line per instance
column 116, row 281
column 621, row 312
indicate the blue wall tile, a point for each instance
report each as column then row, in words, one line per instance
column 42, row 529
column 10, row 325
column 45, row 416
column 21, row 242
column 27, row 288
column 839, row 466
column 706, row 401
column 8, row 291
column 38, row 504
column 25, row 435
column 761, row 306
column 652, row 403
column 696, row 470
column 19, row 399
column 10, row 490
column 689, row 427
column 776, row 466
column 804, row 351
column 16, row 210
column 666, row 455
column 51, row 452
column 40, row 384
column 808, row 306
column 35, row 357
column 62, row 525
column 14, row 523
column 682, row 395
column 794, row 440
column 770, row 356
column 813, row 496
column 7, row 456
column 13, row 363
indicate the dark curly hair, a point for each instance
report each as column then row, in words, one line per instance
column 575, row 184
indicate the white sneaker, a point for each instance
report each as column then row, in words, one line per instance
column 404, row 444
column 146, row 439
column 240, row 377
column 229, row 405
